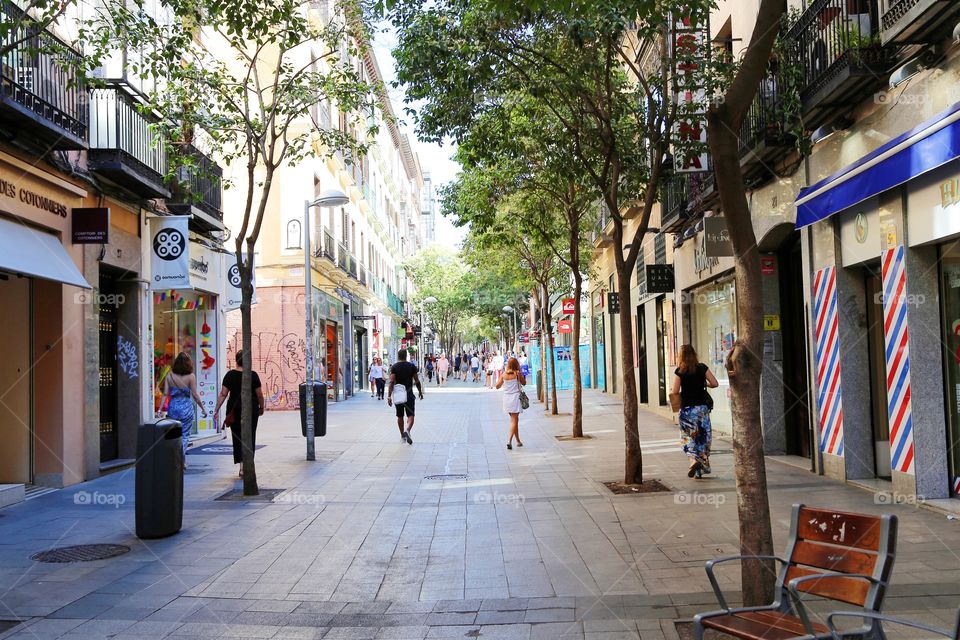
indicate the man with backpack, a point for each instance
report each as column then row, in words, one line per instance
column 403, row 375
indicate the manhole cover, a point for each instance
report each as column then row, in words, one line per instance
column 81, row 553
column 446, row 476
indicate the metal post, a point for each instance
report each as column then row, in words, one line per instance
column 308, row 297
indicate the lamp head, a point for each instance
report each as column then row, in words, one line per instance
column 331, row 198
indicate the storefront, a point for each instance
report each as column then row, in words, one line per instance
column 190, row 320
column 327, row 310
column 44, row 296
column 901, row 202
column 713, row 330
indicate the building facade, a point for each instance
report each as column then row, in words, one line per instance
column 857, row 240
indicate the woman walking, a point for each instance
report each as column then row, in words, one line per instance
column 512, row 382
column 180, row 391
column 376, row 379
column 230, row 392
column 690, row 384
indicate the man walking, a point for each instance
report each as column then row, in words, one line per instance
column 443, row 368
column 404, row 375
column 475, row 367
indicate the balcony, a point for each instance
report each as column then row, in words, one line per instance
column 198, row 189
column 352, row 267
column 122, row 145
column 674, row 203
column 764, row 139
column 325, row 246
column 42, row 99
column 394, row 302
column 363, row 275
column 838, row 45
column 917, row 21
column 342, row 258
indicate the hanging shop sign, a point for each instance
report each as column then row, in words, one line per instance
column 660, row 278
column 169, row 252
column 90, row 225
column 205, row 268
column 613, row 302
column 565, row 326
column 690, row 47
column 569, row 306
column 716, row 238
column 233, row 294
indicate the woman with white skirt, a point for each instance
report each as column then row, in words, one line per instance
column 512, row 382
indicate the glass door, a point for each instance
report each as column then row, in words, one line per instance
column 878, row 372
column 950, row 307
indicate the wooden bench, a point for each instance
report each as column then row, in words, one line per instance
column 844, row 557
column 952, row 634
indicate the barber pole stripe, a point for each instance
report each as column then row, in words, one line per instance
column 829, row 405
column 896, row 337
column 956, row 485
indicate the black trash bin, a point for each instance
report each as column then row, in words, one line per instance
column 319, row 409
column 159, row 493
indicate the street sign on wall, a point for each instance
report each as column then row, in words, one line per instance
column 716, row 238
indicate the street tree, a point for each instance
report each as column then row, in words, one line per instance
column 745, row 362
column 603, row 70
column 437, row 272
column 248, row 78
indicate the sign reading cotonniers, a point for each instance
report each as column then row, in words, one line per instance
column 169, row 252
column 90, row 225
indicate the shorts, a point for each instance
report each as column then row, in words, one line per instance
column 475, row 370
column 408, row 407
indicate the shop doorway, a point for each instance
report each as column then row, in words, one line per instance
column 661, row 341
column 950, row 307
column 642, row 354
column 16, row 381
column 107, row 310
column 362, row 360
column 798, row 425
column 873, row 287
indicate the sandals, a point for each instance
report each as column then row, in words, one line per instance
column 694, row 468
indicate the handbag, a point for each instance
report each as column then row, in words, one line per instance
column 399, row 395
column 709, row 400
column 524, row 400
column 675, row 402
column 230, row 418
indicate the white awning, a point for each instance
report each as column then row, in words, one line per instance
column 30, row 252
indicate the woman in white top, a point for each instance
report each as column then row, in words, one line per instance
column 376, row 379
column 512, row 381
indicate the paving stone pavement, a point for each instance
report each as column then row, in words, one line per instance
column 360, row 544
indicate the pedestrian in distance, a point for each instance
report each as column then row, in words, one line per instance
column 429, row 367
column 373, row 386
column 403, row 376
column 231, row 393
column 475, row 367
column 456, row 366
column 488, row 368
column 443, row 368
column 691, row 399
column 512, row 382
column 498, row 364
column 377, row 378
column 180, row 392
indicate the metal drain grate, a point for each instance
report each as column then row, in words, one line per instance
column 81, row 553
column 446, row 476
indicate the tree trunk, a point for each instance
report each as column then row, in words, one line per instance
column 577, row 381
column 633, row 456
column 250, row 487
column 544, row 333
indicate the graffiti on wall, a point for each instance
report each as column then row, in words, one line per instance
column 280, row 361
column 127, row 359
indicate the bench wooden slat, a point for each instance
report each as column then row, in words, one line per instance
column 761, row 625
column 833, row 558
column 840, row 528
column 850, row 590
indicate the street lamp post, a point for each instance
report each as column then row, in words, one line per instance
column 329, row 198
column 423, row 357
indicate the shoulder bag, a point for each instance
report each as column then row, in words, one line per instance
column 399, row 395
column 524, row 400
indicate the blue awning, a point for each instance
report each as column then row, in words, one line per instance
column 916, row 152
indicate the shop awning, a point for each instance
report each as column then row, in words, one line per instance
column 27, row 251
column 917, row 151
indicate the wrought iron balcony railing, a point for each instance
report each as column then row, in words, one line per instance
column 122, row 142
column 917, row 21
column 199, row 183
column 41, row 92
column 326, row 248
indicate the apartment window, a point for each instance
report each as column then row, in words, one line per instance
column 345, row 238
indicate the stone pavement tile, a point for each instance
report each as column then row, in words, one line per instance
column 320, row 607
column 499, row 617
column 250, row 631
column 351, row 633
column 410, row 607
column 549, row 615
column 504, row 604
column 451, row 631
column 365, row 607
column 272, row 618
column 279, row 606
column 450, row 619
column 506, row 631
column 556, row 631
column 612, row 635
column 457, row 606
column 563, row 602
column 299, row 633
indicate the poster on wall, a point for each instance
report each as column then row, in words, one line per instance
column 169, row 252
column 206, row 366
column 233, row 296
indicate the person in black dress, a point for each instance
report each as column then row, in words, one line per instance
column 230, row 392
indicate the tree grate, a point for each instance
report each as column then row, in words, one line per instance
column 446, row 476
column 81, row 553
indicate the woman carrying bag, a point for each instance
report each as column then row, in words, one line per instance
column 690, row 397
